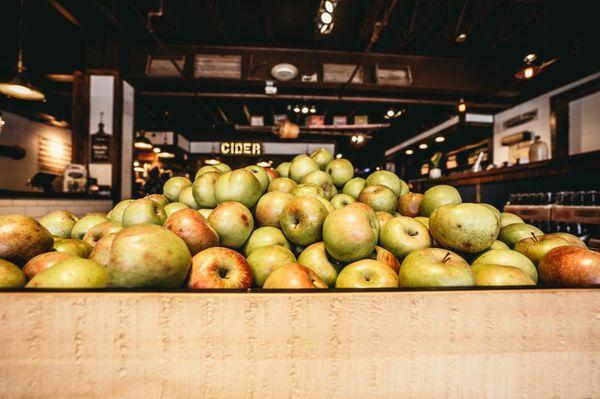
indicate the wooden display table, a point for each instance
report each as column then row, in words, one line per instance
column 432, row 344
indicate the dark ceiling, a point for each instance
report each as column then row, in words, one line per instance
column 66, row 35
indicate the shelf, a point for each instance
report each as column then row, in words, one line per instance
column 557, row 213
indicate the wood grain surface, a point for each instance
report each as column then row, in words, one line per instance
column 452, row 344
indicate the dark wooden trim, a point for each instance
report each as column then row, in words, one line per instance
column 80, row 118
column 556, row 167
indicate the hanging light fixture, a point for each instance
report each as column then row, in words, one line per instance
column 163, row 153
column 529, row 69
column 142, row 142
column 462, row 106
column 18, row 87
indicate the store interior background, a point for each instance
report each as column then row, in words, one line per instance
column 66, row 42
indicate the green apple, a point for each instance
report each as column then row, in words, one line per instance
column 388, row 179
column 173, row 187
column 498, row 275
column 409, row 204
column 147, row 256
column 203, row 190
column 354, row 186
column 269, row 208
column 322, row 157
column 494, row 210
column 498, row 245
column 437, row 196
column 44, row 261
column 11, row 275
column 302, row 220
column 240, row 186
column 222, row 167
column 508, row 257
column 101, row 252
column 435, row 267
column 87, row 222
column 316, row 258
column 384, row 256
column 379, row 197
column 536, row 247
column 94, row 234
column 283, row 169
column 116, row 214
column 143, row 211
column 326, row 204
column 282, row 184
column 59, row 223
column 321, row 179
column 193, row 229
column 351, row 233
column 384, row 217
column 423, row 220
column 293, row 276
column 341, row 171
column 261, row 175
column 464, row 227
column 73, row 246
column 264, row 237
column 367, row 273
column 515, row 232
column 402, row 235
column 174, row 207
column 301, row 166
column 233, row 222
column 186, row 196
column 573, row 240
column 507, row 218
column 264, row 260
column 207, row 169
column 205, row 212
column 308, row 189
column 72, row 273
column 159, row 198
column 341, row 200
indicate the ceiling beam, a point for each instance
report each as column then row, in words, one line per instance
column 425, row 24
column 213, row 7
column 108, row 14
column 268, row 19
column 65, row 13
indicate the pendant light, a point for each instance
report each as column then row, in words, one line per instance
column 18, row 87
column 142, row 142
column 163, row 153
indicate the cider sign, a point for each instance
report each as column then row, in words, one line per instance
column 241, row 148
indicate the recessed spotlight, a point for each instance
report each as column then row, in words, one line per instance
column 409, row 152
column 390, row 113
column 360, row 138
column 304, row 109
column 423, row 146
column 326, row 18
column 313, row 109
column 353, row 139
column 530, row 57
column 461, row 38
column 296, row 109
column 440, row 139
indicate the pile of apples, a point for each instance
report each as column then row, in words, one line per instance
column 307, row 224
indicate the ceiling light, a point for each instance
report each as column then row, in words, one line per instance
column 142, row 142
column 399, row 113
column 136, row 163
column 284, row 72
column 360, row 138
column 378, row 168
column 304, row 109
column 353, row 139
column 423, row 146
column 338, row 156
column 440, row 139
column 326, row 18
column 462, row 106
column 165, row 154
column 313, row 110
column 329, row 5
column 212, row 161
column 263, row 164
column 156, row 150
column 296, row 109
column 528, row 72
column 390, row 113
column 409, row 152
column 2, row 122
column 18, row 87
column 139, row 169
column 530, row 57
column 461, row 38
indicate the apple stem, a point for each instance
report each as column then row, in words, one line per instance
column 534, row 237
column 446, row 257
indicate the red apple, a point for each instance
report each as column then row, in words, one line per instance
column 409, row 204
column 220, row 267
column 570, row 266
column 193, row 229
column 44, row 261
column 272, row 174
column 384, row 256
column 293, row 276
